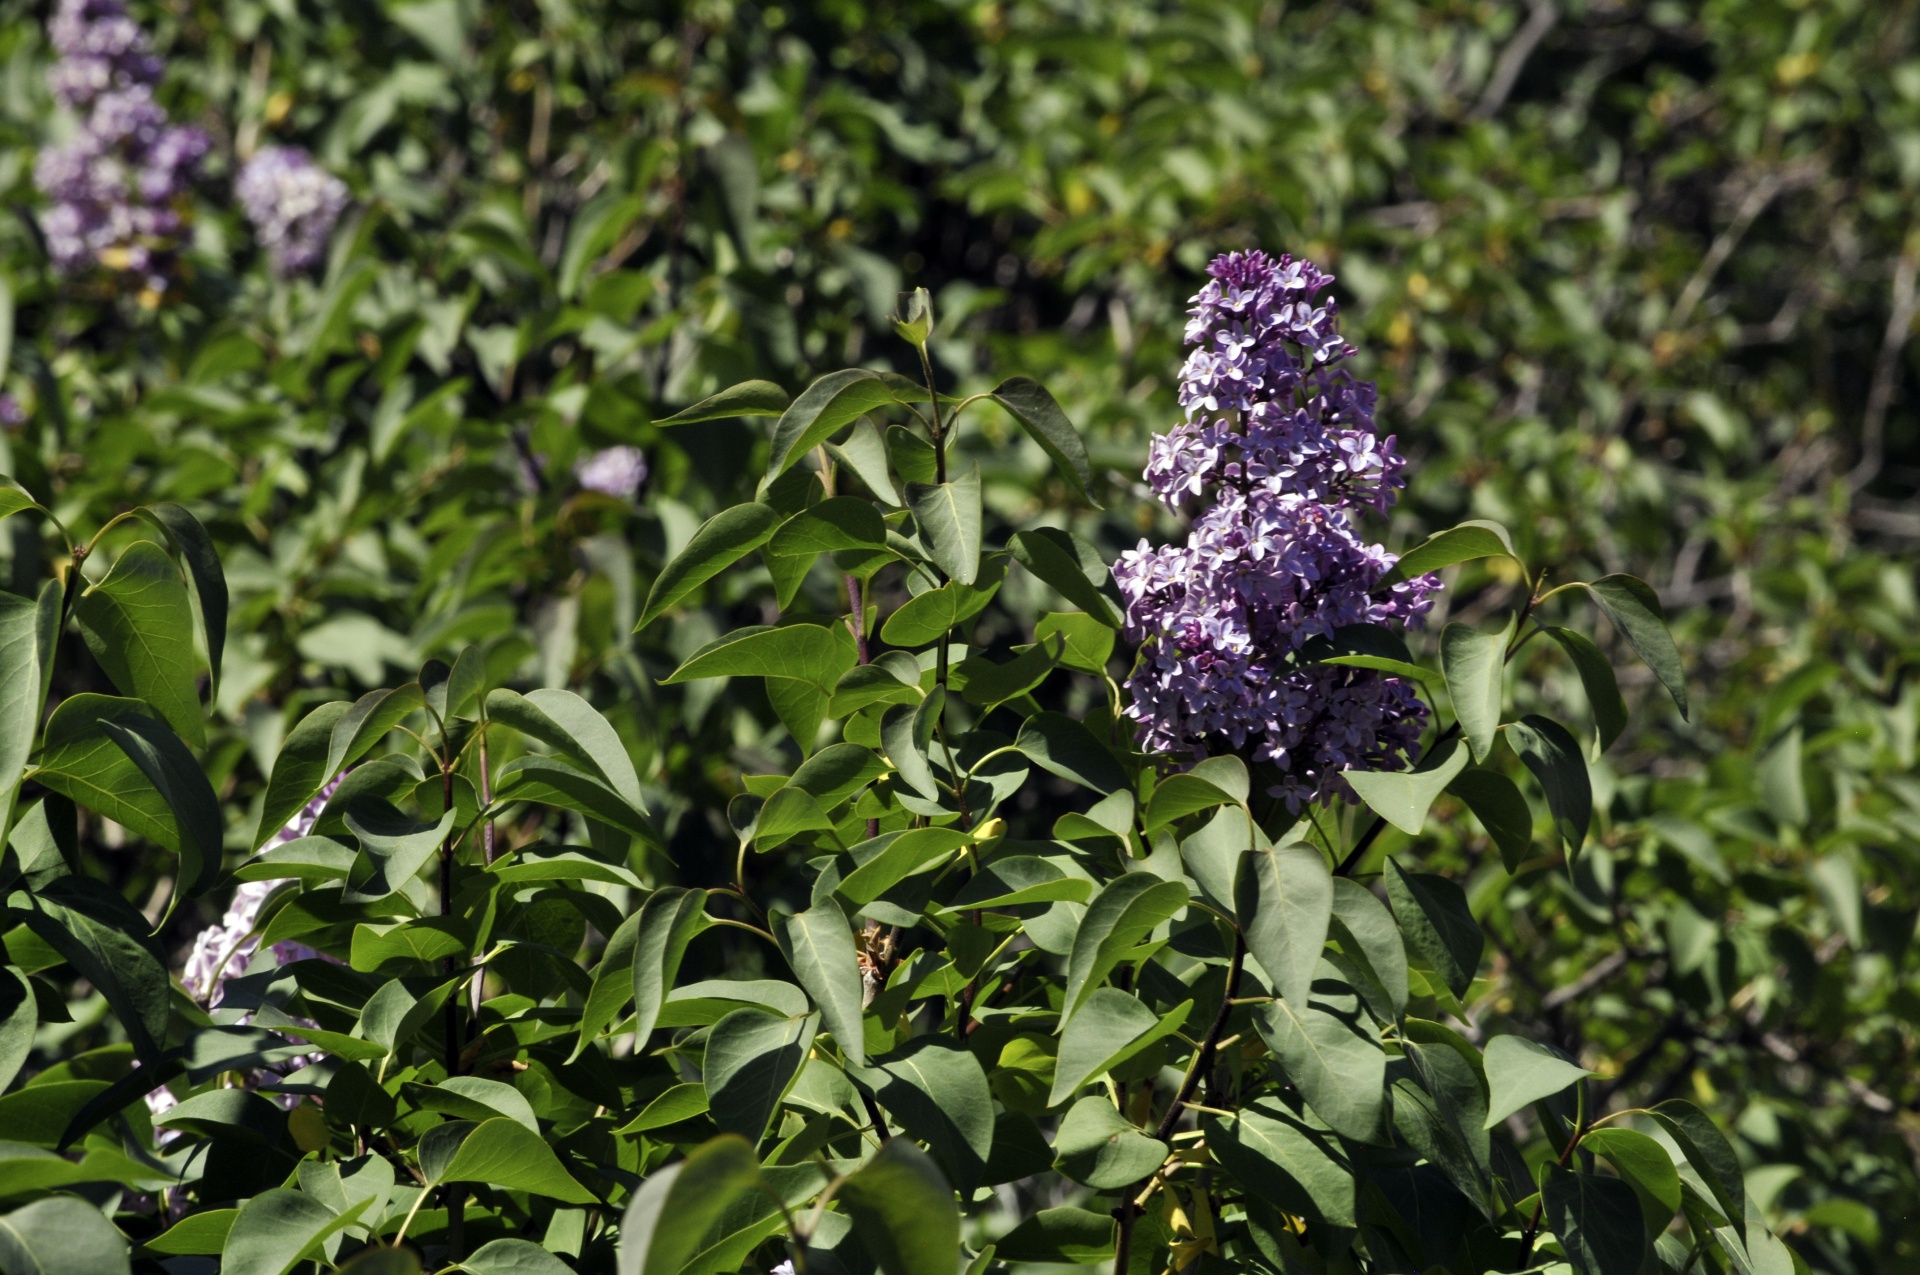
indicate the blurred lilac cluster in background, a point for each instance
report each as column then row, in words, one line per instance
column 118, row 186
column 293, row 204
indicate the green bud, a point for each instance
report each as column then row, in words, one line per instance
column 913, row 319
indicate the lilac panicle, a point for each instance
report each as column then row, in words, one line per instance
column 616, row 471
column 1280, row 440
column 118, row 188
column 293, row 204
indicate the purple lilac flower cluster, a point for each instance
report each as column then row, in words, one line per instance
column 1280, row 439
column 117, row 187
column 616, row 471
column 293, row 204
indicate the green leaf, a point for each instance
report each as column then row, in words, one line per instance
column 831, row 402
column 394, row 1261
column 407, row 947
column 939, row 1094
column 721, row 541
column 1178, row 796
column 906, row 730
column 1086, row 643
column 566, row 723
column 1708, row 1151
column 195, row 547
column 1403, row 797
column 61, row 1235
column 504, row 1153
column 513, row 1257
column 79, row 760
column 948, row 515
column 990, row 684
column 139, row 625
column 865, row 453
column 1028, row 402
column 1111, row 1027
column 1097, row 1147
column 1434, row 916
column 818, row 944
column 1475, row 668
column 1284, row 900
column 1335, row 1061
column 275, row 1230
column 1635, row 610
column 103, row 937
column 1071, row 1236
column 197, row 1234
column 393, row 848
column 836, row 772
column 1019, row 879
column 1279, row 1159
column 174, row 774
column 19, row 1017
column 1596, row 675
column 1501, row 810
column 1553, row 755
column 300, row 771
column 681, row 1102
column 903, row 1211
column 1520, row 1072
column 674, row 1209
column 749, row 398
column 892, row 857
column 669, row 920
column 1071, row 566
column 1465, row 543
column 1062, row 746
column 811, row 653
column 560, row 783
column 1372, row 953
column 752, row 1060
column 842, row 522
column 1129, row 909
column 28, row 632
column 1597, row 1220
column 1643, row 1162
column 928, row 616
column 787, row 814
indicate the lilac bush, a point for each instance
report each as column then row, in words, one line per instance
column 119, row 186
column 292, row 203
column 1279, row 440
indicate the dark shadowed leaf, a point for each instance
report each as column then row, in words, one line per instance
column 1603, row 690
column 1071, row 566
column 1061, row 745
column 1554, row 757
column 752, row 1057
column 673, row 1210
column 61, row 1235
column 1028, row 402
column 504, row 1153
column 1708, row 1151
column 1111, row 1027
column 1275, row 1156
column 1597, row 1220
column 195, row 547
column 177, row 777
column 1635, row 610
column 300, row 771
column 1433, row 914
column 937, row 1092
column 276, row 1229
column 669, row 920
column 903, row 1211
column 1496, row 802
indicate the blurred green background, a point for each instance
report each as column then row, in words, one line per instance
column 1636, row 279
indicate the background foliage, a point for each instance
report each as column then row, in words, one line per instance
column 1637, row 281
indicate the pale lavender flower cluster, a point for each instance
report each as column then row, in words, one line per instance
column 293, row 204
column 1281, row 441
column 616, row 471
column 12, row 415
column 221, row 953
column 117, row 187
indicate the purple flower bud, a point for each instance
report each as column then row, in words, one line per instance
column 293, row 204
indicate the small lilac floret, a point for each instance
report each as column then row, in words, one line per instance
column 1281, row 440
